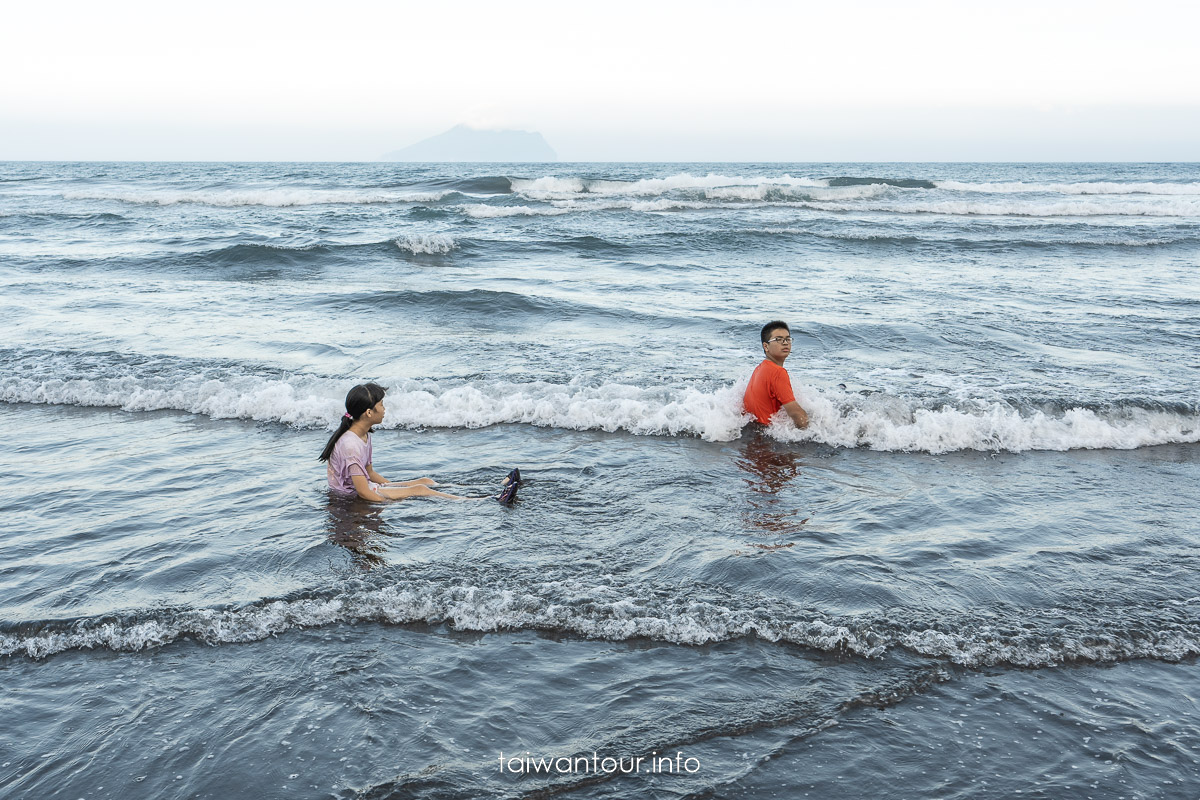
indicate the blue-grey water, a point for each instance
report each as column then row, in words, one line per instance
column 977, row 573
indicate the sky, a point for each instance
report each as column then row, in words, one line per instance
column 855, row 80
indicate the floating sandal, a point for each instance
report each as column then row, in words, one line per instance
column 509, row 492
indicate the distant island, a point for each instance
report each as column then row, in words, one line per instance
column 462, row 143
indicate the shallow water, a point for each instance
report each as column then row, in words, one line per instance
column 974, row 577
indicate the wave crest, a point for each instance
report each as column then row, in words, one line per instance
column 837, row 417
column 484, row 211
column 613, row 610
column 278, row 198
column 555, row 188
column 427, row 243
column 1082, row 187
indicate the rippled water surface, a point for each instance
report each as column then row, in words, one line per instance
column 975, row 575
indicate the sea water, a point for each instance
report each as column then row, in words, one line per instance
column 976, row 573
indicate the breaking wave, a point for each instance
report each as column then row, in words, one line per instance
column 682, row 191
column 619, row 610
column 484, row 211
column 278, row 198
column 1051, row 238
column 873, row 198
column 552, row 188
column 427, row 243
column 1097, row 187
column 837, row 417
column 1024, row 208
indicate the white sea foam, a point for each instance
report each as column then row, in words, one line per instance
column 484, row 211
column 649, row 206
column 767, row 191
column 548, row 187
column 598, row 611
column 888, row 423
column 1106, row 238
column 1097, row 187
column 653, row 186
column 715, row 416
column 1123, row 207
column 986, row 646
column 670, row 205
column 757, row 187
column 838, row 418
column 555, row 188
column 609, row 610
column 227, row 397
column 427, row 243
column 740, row 198
column 661, row 204
column 256, row 197
column 563, row 196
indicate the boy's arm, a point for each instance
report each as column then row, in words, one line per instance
column 783, row 389
column 799, row 415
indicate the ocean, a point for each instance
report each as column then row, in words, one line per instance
column 975, row 575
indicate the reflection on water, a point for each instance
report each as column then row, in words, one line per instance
column 357, row 526
column 770, row 467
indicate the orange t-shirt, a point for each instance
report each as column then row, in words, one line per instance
column 769, row 390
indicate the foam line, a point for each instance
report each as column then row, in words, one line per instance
column 838, row 418
column 1095, row 187
column 617, row 612
column 261, row 197
column 552, row 187
column 427, row 243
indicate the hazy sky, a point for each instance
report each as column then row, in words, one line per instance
column 645, row 80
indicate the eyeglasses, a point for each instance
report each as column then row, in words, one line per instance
column 783, row 339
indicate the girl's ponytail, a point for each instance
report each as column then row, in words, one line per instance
column 358, row 400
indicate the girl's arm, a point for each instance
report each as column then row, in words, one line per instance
column 364, row 489
column 375, row 476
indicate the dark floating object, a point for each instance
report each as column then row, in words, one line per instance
column 509, row 492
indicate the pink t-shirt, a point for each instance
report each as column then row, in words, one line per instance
column 350, row 456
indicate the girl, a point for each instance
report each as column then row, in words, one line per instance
column 348, row 453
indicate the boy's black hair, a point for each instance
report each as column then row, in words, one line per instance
column 770, row 326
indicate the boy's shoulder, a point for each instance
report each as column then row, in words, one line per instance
column 770, row 367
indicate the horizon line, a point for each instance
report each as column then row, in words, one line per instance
column 563, row 162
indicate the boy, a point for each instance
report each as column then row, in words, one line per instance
column 770, row 386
